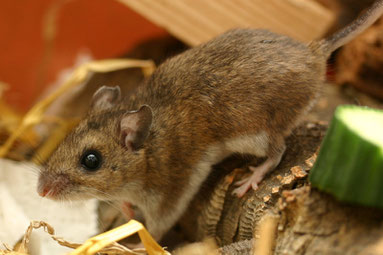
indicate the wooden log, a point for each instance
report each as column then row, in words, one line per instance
column 308, row 221
column 216, row 213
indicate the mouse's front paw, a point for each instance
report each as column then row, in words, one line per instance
column 127, row 210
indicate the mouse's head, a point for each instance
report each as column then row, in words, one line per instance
column 102, row 156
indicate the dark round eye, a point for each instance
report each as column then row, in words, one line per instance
column 91, row 160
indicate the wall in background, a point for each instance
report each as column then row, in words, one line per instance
column 106, row 28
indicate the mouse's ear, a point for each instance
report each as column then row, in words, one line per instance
column 135, row 127
column 105, row 98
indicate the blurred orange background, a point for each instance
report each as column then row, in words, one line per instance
column 106, row 28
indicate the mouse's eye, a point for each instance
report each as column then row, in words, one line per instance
column 91, row 160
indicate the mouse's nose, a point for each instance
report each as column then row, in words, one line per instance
column 43, row 191
column 52, row 185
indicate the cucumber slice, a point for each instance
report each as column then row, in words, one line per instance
column 350, row 161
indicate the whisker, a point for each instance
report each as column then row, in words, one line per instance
column 104, row 194
column 30, row 166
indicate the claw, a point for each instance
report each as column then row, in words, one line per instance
column 254, row 185
column 253, row 168
column 240, row 191
column 249, row 182
column 258, row 173
column 241, row 182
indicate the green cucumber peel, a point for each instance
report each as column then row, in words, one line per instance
column 350, row 162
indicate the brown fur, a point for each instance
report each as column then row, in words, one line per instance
column 241, row 83
column 210, row 93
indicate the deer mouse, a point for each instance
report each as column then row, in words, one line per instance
column 242, row 92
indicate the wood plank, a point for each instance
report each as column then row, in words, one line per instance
column 196, row 21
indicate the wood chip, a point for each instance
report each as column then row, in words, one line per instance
column 311, row 160
column 266, row 199
column 288, row 196
column 275, row 190
column 288, row 179
column 298, row 172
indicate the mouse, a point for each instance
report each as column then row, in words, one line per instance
column 241, row 92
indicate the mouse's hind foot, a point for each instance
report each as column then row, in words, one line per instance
column 258, row 174
column 251, row 181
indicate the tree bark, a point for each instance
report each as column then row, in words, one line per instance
column 309, row 221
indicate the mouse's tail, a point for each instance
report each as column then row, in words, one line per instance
column 348, row 33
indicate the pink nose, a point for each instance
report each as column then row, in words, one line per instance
column 43, row 191
column 50, row 184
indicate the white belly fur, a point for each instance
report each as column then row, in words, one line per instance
column 249, row 144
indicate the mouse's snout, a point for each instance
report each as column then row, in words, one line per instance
column 52, row 186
